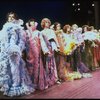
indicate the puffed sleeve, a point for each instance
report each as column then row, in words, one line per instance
column 43, row 44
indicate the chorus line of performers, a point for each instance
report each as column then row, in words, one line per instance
column 33, row 60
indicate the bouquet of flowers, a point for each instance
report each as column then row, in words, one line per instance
column 73, row 76
column 69, row 47
column 86, row 75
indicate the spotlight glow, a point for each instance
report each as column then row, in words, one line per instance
column 73, row 4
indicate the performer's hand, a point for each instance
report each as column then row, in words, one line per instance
column 27, row 24
column 48, row 53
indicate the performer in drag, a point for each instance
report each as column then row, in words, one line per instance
column 14, row 77
column 48, row 51
column 34, row 56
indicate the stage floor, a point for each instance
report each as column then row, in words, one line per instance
column 85, row 88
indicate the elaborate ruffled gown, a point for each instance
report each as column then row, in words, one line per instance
column 34, row 62
column 89, row 38
column 78, row 63
column 51, row 45
column 96, row 51
column 61, row 57
column 14, row 77
column 67, row 46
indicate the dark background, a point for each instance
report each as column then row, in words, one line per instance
column 56, row 10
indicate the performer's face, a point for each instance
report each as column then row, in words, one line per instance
column 74, row 27
column 85, row 29
column 11, row 18
column 47, row 25
column 69, row 29
column 32, row 23
column 58, row 27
